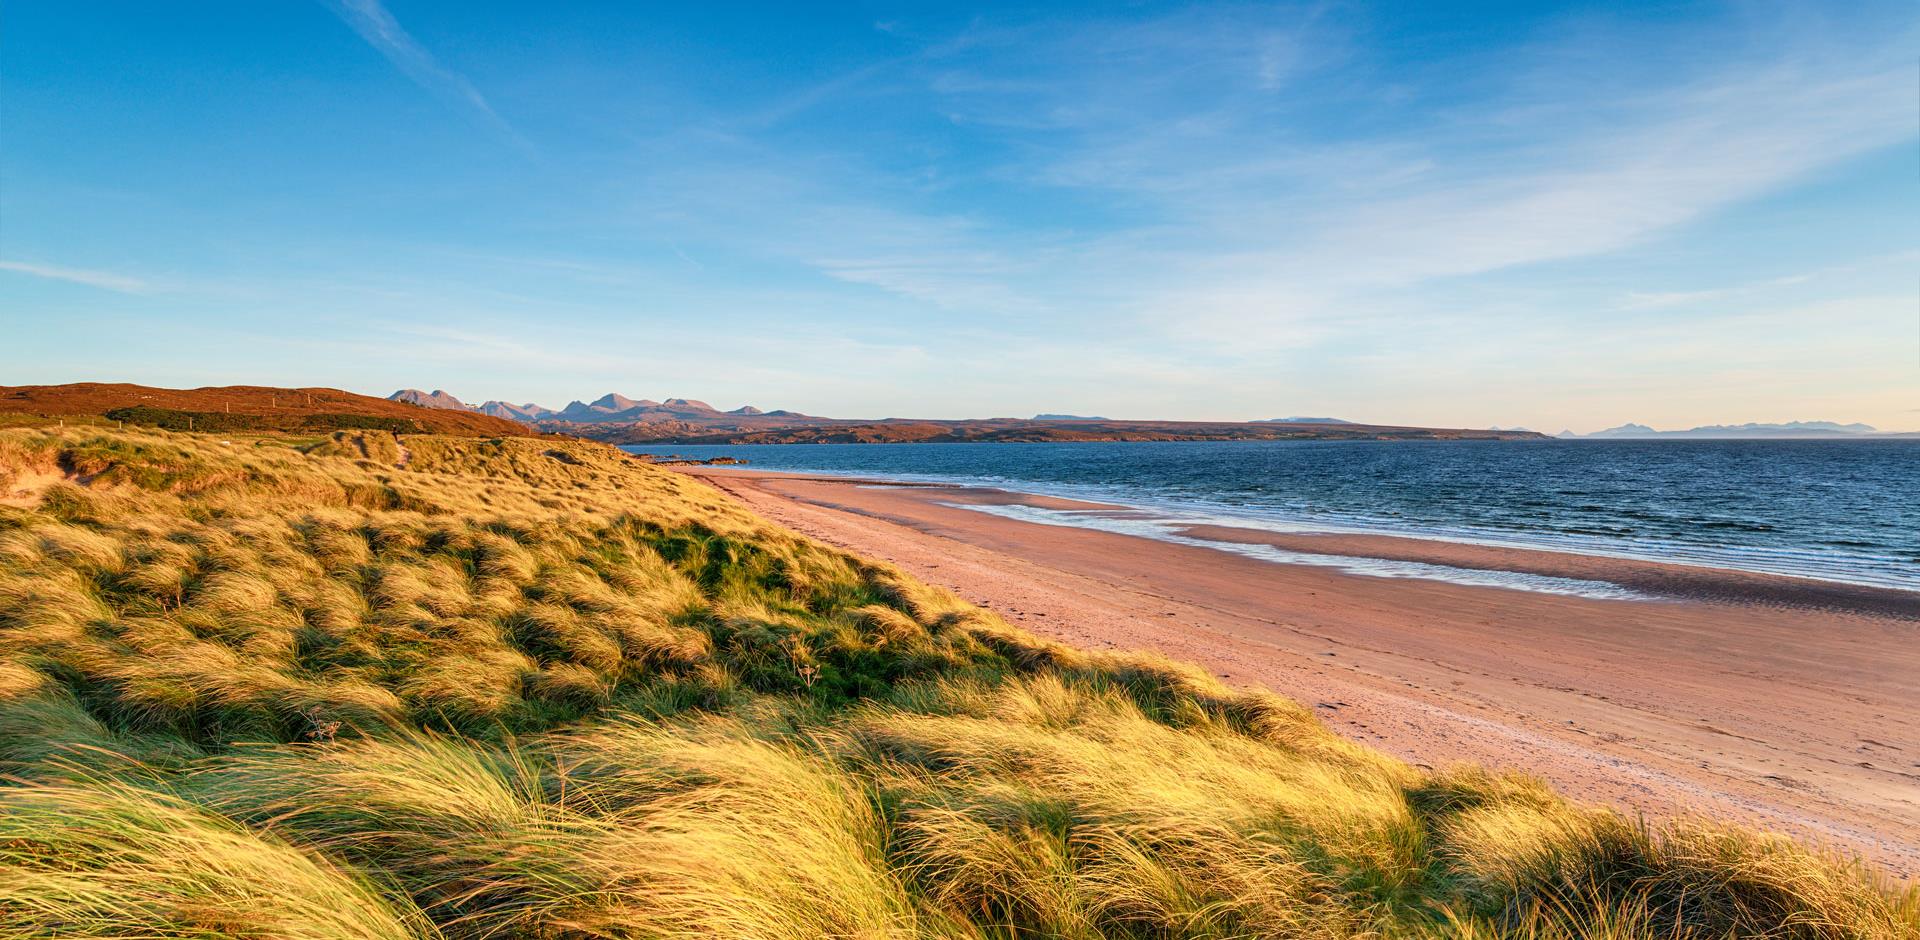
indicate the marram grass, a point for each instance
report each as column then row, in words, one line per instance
column 367, row 686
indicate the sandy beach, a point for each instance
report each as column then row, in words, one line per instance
column 1777, row 701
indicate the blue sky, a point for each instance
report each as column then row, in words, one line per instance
column 1505, row 214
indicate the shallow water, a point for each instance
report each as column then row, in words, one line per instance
column 1845, row 511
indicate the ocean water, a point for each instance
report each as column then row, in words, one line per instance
column 1845, row 511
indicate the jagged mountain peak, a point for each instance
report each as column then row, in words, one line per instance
column 438, row 398
column 614, row 401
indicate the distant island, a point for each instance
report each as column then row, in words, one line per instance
column 1299, row 420
column 617, row 419
column 1802, row 430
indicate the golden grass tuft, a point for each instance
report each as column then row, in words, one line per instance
column 111, row 859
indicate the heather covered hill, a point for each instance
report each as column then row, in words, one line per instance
column 240, row 408
column 429, row 686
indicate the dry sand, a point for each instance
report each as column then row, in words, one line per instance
column 1785, row 703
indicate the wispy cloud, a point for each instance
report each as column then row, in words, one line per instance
column 1837, row 275
column 1693, row 152
column 371, row 20
column 1656, row 300
column 1241, row 228
column 105, row 280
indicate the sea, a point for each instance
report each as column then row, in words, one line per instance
column 1833, row 510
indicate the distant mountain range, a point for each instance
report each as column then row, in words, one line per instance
column 622, row 420
column 617, row 418
column 1749, row 431
column 611, row 408
column 526, row 413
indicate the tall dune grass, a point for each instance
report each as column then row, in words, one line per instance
column 435, row 687
column 113, row 860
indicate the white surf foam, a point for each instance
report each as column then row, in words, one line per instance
column 1166, row 529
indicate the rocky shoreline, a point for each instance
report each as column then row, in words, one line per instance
column 677, row 460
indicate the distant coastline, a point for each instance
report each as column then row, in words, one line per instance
column 1053, row 430
column 1751, row 431
column 616, row 419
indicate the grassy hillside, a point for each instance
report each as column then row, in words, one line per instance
column 236, row 408
column 418, row 687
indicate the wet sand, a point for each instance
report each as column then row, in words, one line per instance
column 1790, row 704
